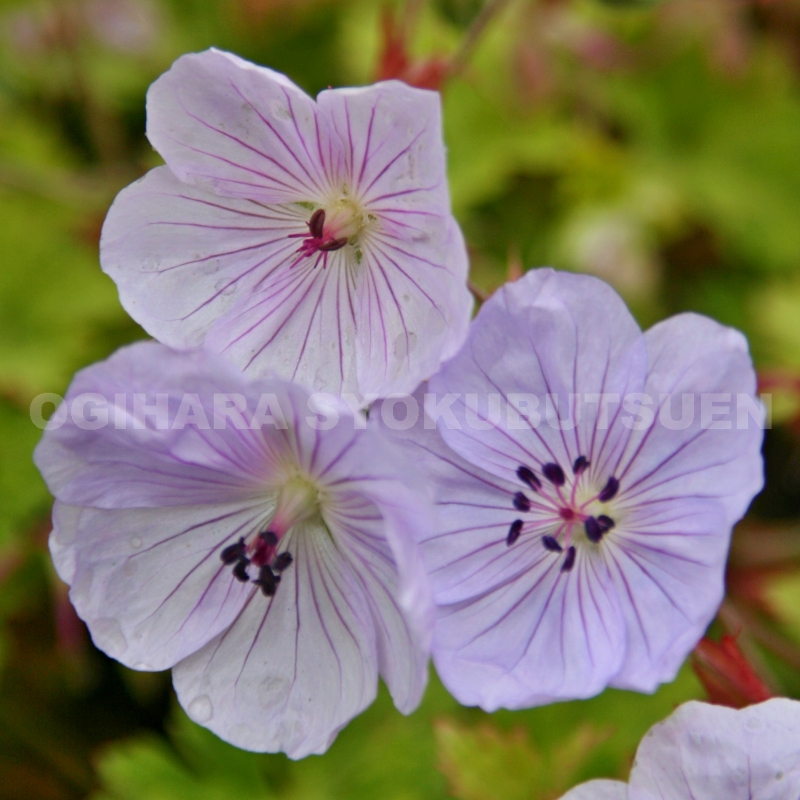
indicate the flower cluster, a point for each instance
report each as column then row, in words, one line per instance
column 542, row 498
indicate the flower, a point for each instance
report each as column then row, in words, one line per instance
column 210, row 523
column 705, row 752
column 580, row 549
column 312, row 240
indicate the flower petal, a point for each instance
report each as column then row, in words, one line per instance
column 693, row 355
column 598, row 790
column 548, row 333
column 706, row 752
column 300, row 326
column 412, row 305
column 402, row 625
column 182, row 257
column 667, row 562
column 130, row 461
column 374, row 514
column 392, row 139
column 294, row 668
column 149, row 583
column 240, row 130
column 541, row 636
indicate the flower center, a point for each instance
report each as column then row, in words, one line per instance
column 330, row 229
column 298, row 500
column 565, row 508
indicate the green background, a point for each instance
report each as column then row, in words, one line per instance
column 653, row 144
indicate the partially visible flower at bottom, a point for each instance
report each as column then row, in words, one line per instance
column 269, row 562
column 706, row 752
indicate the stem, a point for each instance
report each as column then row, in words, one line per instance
column 471, row 38
column 477, row 292
column 734, row 618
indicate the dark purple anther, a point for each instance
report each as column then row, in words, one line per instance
column 282, row 561
column 610, row 489
column 594, row 533
column 233, row 552
column 267, row 580
column 551, row 544
column 569, row 561
column 334, row 244
column 514, row 532
column 269, row 538
column 521, row 503
column 605, row 523
column 240, row 571
column 581, row 465
column 527, row 475
column 317, row 223
column 554, row 474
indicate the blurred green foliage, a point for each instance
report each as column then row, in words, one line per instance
column 651, row 143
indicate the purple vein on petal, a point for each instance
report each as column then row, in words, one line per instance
column 277, row 135
column 414, row 283
column 367, row 154
column 242, row 167
column 392, row 161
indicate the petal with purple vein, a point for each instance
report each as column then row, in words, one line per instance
column 295, row 668
column 240, row 130
column 149, row 583
column 182, row 257
column 666, row 559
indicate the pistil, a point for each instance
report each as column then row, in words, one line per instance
column 329, row 229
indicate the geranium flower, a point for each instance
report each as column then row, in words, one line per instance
column 705, row 752
column 313, row 240
column 573, row 554
column 207, row 523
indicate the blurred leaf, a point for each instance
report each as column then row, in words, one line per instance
column 483, row 763
column 23, row 495
column 486, row 764
column 56, row 304
column 148, row 769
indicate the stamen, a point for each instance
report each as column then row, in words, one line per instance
column 569, row 561
column 233, row 552
column 552, row 545
column 605, row 523
column 527, row 475
column 594, row 531
column 521, row 503
column 282, row 561
column 554, row 474
column 317, row 223
column 240, row 571
column 514, row 532
column 334, row 244
column 611, row 488
column 267, row 580
column 581, row 465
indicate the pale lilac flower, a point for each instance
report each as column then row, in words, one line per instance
column 705, row 752
column 210, row 527
column 313, row 240
column 570, row 557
